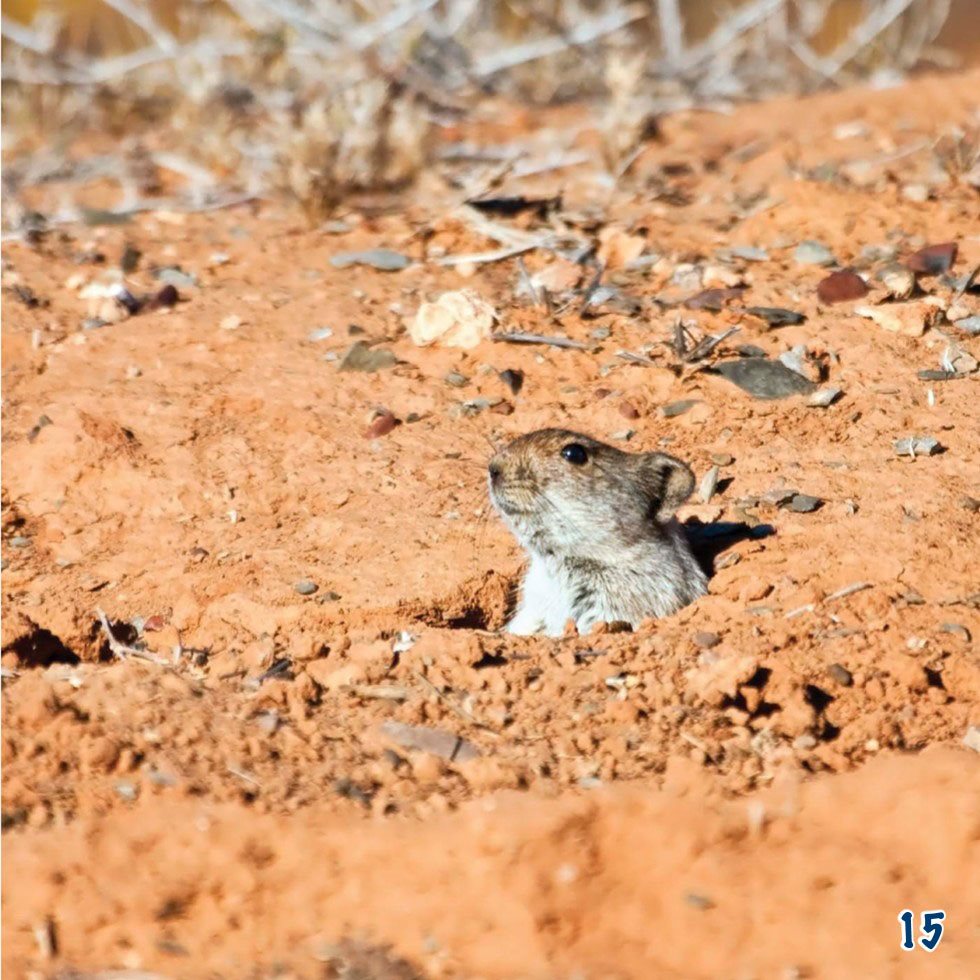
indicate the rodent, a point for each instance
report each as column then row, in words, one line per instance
column 599, row 528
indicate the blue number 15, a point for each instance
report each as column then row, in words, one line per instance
column 930, row 929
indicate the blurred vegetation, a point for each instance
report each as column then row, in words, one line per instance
column 321, row 97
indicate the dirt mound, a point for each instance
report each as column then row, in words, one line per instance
column 616, row 883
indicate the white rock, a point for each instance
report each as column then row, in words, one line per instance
column 456, row 319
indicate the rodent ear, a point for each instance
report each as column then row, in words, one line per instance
column 671, row 481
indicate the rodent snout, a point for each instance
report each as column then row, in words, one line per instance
column 496, row 471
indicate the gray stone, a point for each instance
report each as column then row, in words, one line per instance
column 383, row 259
column 813, row 253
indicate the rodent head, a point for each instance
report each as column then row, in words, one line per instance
column 564, row 494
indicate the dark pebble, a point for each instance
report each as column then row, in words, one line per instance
column 749, row 350
column 763, row 378
column 130, row 259
column 775, row 316
column 933, row 259
column 513, row 379
column 841, row 674
column 456, row 380
column 164, row 298
column 936, row 375
column 839, row 287
column 628, row 410
column 804, row 504
column 305, row 587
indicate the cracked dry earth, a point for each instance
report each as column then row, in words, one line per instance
column 369, row 777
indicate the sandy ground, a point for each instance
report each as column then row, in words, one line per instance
column 754, row 787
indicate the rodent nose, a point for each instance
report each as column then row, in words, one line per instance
column 496, row 471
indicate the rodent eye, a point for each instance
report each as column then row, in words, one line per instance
column 575, row 453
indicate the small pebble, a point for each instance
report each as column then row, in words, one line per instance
column 305, row 587
column 513, row 379
column 360, row 357
column 173, row 275
column 699, row 901
column 824, row 397
column 708, row 485
column 917, row 446
column 722, row 459
column 714, row 300
column 804, row 504
column 813, row 253
column 383, row 259
column 970, row 325
column 841, row 674
column 456, row 380
column 898, row 280
column 677, row 408
column 750, row 253
column 320, row 333
column 796, row 359
column 957, row 630
column 19, row 541
column 933, row 259
column 130, row 259
column 972, row 738
column 776, row 316
column 839, row 287
column 164, row 299
column 970, row 503
column 383, row 423
column 872, row 254
column 706, row 640
column 778, row 497
column 765, row 379
column 628, row 410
